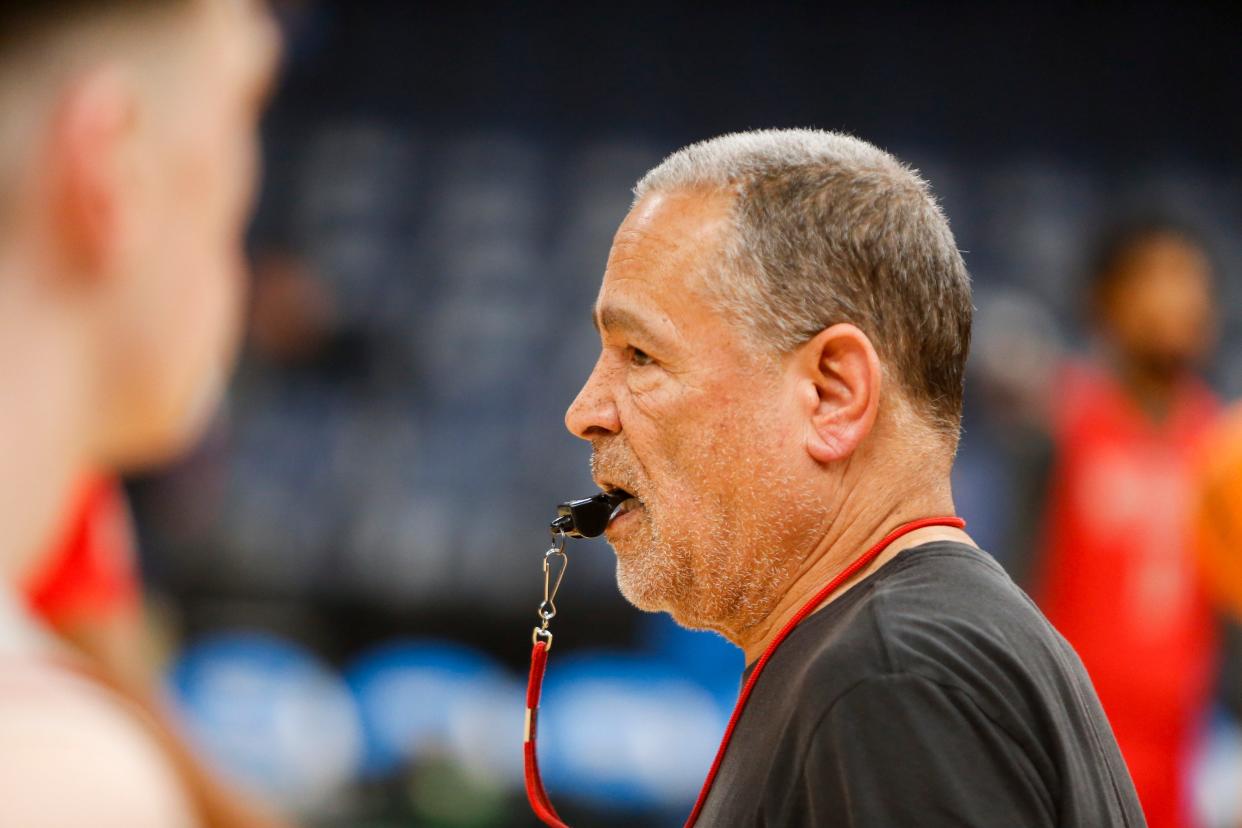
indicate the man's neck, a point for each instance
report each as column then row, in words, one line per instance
column 41, row 400
column 1152, row 391
column 845, row 541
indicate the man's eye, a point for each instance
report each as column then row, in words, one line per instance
column 639, row 357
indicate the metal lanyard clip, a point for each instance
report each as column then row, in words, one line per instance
column 554, row 557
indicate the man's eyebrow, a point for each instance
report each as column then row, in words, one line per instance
column 611, row 317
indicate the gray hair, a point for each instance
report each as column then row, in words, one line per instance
column 829, row 229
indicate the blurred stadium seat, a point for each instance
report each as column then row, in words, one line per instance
column 270, row 715
column 437, row 699
column 608, row 726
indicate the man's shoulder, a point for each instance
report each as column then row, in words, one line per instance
column 944, row 612
column 938, row 587
column 946, row 586
column 72, row 755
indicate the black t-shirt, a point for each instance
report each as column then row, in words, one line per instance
column 933, row 693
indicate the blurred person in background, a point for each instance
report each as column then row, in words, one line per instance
column 127, row 164
column 784, row 320
column 1117, row 575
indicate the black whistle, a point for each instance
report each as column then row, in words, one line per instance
column 588, row 517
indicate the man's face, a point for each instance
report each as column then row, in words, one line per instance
column 1159, row 310
column 684, row 415
column 176, row 315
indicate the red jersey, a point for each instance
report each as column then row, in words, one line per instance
column 90, row 572
column 1119, row 575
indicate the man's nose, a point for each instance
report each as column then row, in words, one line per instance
column 594, row 412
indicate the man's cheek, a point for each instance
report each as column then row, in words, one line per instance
column 648, row 400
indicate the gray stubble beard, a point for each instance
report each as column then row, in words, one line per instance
column 729, row 591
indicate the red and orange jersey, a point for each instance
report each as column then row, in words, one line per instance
column 1217, row 517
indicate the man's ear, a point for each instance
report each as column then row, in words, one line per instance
column 838, row 373
column 89, row 167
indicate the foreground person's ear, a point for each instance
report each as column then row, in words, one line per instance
column 838, row 375
column 91, row 159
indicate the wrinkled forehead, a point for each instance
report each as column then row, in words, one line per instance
column 660, row 289
column 669, row 247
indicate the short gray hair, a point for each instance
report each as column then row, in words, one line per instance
column 829, row 229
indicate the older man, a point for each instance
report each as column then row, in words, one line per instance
column 785, row 320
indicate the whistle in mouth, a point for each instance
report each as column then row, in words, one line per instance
column 588, row 517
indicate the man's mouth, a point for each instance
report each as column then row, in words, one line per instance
column 628, row 503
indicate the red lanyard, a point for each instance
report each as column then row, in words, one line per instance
column 535, row 792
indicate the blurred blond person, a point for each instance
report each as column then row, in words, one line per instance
column 127, row 165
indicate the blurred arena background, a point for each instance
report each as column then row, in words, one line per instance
column 344, row 574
